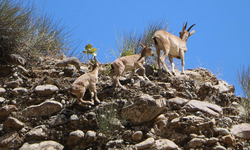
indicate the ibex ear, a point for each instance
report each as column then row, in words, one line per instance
column 192, row 32
column 142, row 45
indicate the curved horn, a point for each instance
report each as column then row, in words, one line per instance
column 190, row 27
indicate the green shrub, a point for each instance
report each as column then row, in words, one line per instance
column 128, row 43
column 243, row 78
column 26, row 33
column 106, row 119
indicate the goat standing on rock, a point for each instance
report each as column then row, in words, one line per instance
column 130, row 63
column 87, row 81
column 172, row 46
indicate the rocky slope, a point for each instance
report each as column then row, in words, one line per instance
column 192, row 111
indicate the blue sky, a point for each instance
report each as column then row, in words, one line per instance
column 221, row 42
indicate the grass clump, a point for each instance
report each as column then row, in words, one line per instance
column 108, row 120
column 29, row 34
column 243, row 78
column 128, row 43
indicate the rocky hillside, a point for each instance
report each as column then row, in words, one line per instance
column 192, row 111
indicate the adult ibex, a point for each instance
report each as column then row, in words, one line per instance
column 87, row 81
column 172, row 46
column 130, row 63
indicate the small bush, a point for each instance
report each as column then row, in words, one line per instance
column 128, row 43
column 26, row 33
column 108, row 120
column 243, row 78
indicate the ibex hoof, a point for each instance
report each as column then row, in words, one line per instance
column 97, row 102
column 84, row 105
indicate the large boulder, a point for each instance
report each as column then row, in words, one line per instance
column 44, row 109
column 241, row 131
column 46, row 90
column 144, row 109
column 206, row 107
column 5, row 111
column 49, row 145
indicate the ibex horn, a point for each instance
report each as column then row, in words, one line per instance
column 191, row 27
column 184, row 26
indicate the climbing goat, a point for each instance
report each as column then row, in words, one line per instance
column 172, row 46
column 87, row 81
column 130, row 63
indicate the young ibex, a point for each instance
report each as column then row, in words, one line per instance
column 172, row 46
column 130, row 63
column 87, row 81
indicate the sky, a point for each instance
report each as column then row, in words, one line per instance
column 220, row 44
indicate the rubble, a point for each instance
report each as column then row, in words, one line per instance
column 192, row 111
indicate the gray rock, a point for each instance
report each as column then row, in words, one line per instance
column 46, row 90
column 241, row 131
column 90, row 136
column 145, row 144
column 15, row 59
column 5, row 111
column 13, row 84
column 178, row 101
column 195, row 142
column 75, row 137
column 14, row 123
column 8, row 139
column 58, row 120
column 219, row 147
column 206, row 107
column 44, row 109
column 69, row 61
column 165, row 144
column 221, row 131
column 2, row 91
column 42, row 145
column 224, row 87
column 137, row 136
column 19, row 91
column 37, row 133
column 144, row 109
column 2, row 100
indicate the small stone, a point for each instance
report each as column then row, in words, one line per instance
column 145, row 144
column 37, row 133
column 241, row 131
column 14, row 123
column 212, row 140
column 6, row 139
column 44, row 109
column 46, row 145
column 165, row 144
column 228, row 139
column 75, row 137
column 5, row 111
column 58, row 120
column 195, row 142
column 19, row 90
column 13, row 84
column 2, row 99
column 219, row 147
column 2, row 91
column 90, row 136
column 137, row 136
column 46, row 90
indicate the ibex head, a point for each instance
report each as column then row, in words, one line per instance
column 185, row 34
column 146, row 50
column 98, row 65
